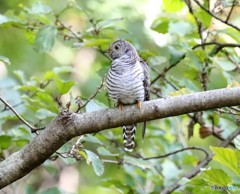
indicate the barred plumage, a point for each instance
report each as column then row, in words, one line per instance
column 127, row 82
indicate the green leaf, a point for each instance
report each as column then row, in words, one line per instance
column 51, row 169
column 160, row 25
column 93, row 42
column 5, row 141
column 181, row 28
column 31, row 88
column 97, row 164
column 92, row 139
column 63, row 86
column 104, row 152
column 224, row 63
column 216, row 177
column 173, row 5
column 20, row 75
column 39, row 9
column 227, row 157
column 5, row 60
column 175, row 54
column 21, row 142
column 237, row 142
column 45, row 38
column 44, row 113
column 204, row 17
column 49, row 75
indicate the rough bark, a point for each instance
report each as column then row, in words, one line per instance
column 68, row 125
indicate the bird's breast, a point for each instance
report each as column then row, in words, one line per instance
column 126, row 85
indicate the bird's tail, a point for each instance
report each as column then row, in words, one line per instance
column 128, row 137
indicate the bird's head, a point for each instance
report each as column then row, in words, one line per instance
column 120, row 48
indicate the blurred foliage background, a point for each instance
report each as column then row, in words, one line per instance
column 52, row 57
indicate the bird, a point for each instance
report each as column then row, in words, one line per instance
column 127, row 83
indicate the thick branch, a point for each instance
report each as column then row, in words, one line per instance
column 68, row 125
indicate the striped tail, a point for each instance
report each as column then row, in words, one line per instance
column 128, row 137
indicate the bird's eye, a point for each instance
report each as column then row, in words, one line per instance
column 116, row 47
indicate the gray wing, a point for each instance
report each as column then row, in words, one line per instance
column 146, row 80
column 146, row 85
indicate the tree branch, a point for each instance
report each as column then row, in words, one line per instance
column 68, row 125
column 33, row 129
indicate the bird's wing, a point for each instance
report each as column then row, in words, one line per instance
column 146, row 80
column 146, row 85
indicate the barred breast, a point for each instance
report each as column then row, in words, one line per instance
column 125, row 82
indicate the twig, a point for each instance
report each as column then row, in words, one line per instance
column 230, row 138
column 192, row 173
column 80, row 106
column 233, row 112
column 33, row 129
column 177, row 151
column 235, row 108
column 220, row 45
column 165, row 79
column 231, row 10
column 63, row 26
column 204, row 72
column 199, row 24
column 166, row 69
column 216, row 17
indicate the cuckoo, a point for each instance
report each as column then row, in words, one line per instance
column 127, row 83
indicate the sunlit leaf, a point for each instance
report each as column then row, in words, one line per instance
column 173, row 5
column 45, row 38
column 63, row 86
column 227, row 157
column 49, row 75
column 94, row 160
column 31, row 88
column 21, row 142
column 204, row 17
column 216, row 177
column 160, row 25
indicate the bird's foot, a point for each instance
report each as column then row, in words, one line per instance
column 120, row 106
column 139, row 104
